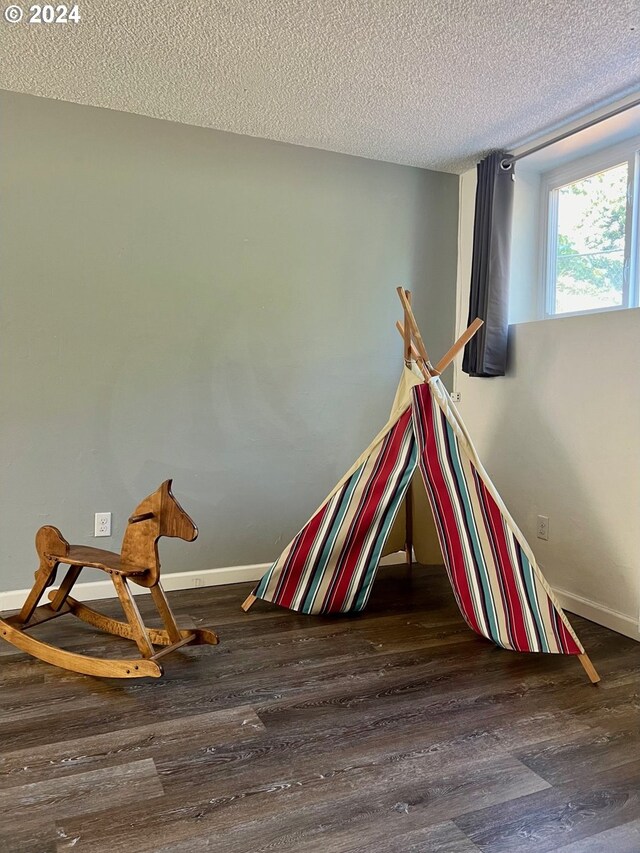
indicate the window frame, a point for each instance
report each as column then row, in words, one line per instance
column 578, row 169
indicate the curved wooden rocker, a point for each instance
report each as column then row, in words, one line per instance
column 158, row 515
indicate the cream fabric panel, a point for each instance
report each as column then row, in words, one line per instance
column 395, row 541
column 425, row 537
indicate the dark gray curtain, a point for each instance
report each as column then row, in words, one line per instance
column 486, row 352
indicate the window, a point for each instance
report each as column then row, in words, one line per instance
column 591, row 224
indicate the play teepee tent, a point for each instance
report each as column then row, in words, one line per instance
column 330, row 566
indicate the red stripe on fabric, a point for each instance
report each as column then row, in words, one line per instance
column 569, row 644
column 565, row 640
column 296, row 561
column 432, row 466
column 503, row 591
column 517, row 624
column 366, row 513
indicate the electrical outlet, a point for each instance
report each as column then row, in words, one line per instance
column 456, row 396
column 102, row 524
column 543, row 527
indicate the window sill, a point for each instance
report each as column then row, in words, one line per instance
column 595, row 312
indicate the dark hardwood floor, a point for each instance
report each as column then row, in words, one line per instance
column 398, row 731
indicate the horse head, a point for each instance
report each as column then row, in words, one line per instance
column 159, row 514
column 174, row 521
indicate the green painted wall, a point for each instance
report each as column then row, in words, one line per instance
column 182, row 302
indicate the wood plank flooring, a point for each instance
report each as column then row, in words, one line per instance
column 397, row 731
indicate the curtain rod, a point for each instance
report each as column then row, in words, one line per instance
column 508, row 161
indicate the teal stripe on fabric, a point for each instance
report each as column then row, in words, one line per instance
column 463, row 493
column 327, row 552
column 264, row 583
column 366, row 567
column 534, row 604
column 392, row 511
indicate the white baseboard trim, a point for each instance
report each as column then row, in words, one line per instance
column 599, row 613
column 93, row 590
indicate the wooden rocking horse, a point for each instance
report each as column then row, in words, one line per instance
column 158, row 515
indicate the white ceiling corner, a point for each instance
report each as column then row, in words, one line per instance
column 428, row 84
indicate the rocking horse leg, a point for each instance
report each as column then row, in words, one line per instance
column 132, row 613
column 45, row 576
column 50, row 544
column 166, row 613
column 61, row 594
column 200, row 636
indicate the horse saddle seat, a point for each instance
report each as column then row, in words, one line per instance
column 98, row 558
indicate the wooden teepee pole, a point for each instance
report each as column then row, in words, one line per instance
column 407, row 333
column 423, row 360
column 249, row 601
column 415, row 355
column 453, row 351
column 589, row 668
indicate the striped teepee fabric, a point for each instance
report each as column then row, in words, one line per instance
column 497, row 583
column 330, row 566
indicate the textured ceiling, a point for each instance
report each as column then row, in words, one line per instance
column 432, row 84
